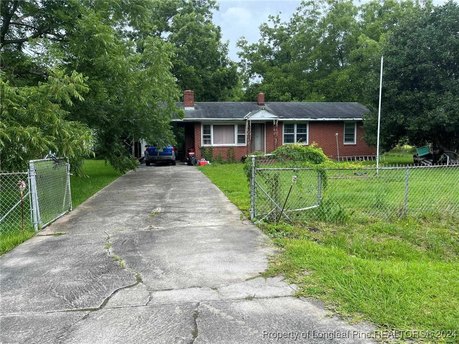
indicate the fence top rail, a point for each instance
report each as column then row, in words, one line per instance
column 12, row 173
column 363, row 168
column 48, row 159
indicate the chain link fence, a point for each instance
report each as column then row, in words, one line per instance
column 14, row 202
column 289, row 191
column 35, row 198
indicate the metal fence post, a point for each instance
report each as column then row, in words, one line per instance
column 407, row 189
column 319, row 188
column 252, row 188
column 68, row 187
column 34, row 207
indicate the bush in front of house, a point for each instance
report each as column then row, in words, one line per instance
column 301, row 153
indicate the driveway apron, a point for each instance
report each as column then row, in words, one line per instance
column 158, row 256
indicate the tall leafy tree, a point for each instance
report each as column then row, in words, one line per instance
column 35, row 93
column 33, row 121
column 305, row 58
column 200, row 59
column 132, row 92
column 135, row 55
column 328, row 51
column 421, row 80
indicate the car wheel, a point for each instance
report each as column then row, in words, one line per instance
column 174, row 162
column 147, row 163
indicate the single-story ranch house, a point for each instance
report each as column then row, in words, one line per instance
column 236, row 129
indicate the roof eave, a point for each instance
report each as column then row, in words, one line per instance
column 308, row 119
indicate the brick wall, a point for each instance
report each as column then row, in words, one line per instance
column 197, row 140
column 322, row 133
column 269, row 127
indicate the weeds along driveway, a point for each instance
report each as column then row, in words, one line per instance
column 158, row 256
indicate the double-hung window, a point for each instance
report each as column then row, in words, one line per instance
column 206, row 135
column 223, row 134
column 296, row 132
column 350, row 133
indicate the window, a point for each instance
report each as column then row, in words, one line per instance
column 206, row 135
column 302, row 133
column 289, row 133
column 350, row 130
column 296, row 132
column 241, row 134
column 223, row 134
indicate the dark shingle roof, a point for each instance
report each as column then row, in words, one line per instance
column 283, row 110
column 317, row 110
column 233, row 110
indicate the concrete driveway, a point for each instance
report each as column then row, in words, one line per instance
column 159, row 256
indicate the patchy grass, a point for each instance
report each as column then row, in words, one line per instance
column 397, row 158
column 10, row 240
column 230, row 178
column 402, row 274
column 97, row 174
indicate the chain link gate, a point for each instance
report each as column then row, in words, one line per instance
column 278, row 192
column 50, row 190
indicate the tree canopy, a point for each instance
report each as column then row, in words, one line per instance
column 330, row 51
column 421, row 80
column 33, row 121
column 135, row 57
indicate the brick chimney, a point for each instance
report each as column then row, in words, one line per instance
column 188, row 99
column 261, row 99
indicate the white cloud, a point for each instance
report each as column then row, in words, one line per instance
column 238, row 15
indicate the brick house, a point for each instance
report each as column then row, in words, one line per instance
column 236, row 129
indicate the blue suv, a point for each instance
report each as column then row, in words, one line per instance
column 155, row 155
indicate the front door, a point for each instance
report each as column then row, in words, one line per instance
column 257, row 143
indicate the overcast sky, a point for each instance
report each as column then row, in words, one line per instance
column 239, row 18
column 242, row 18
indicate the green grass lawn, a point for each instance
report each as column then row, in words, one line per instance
column 399, row 274
column 97, row 174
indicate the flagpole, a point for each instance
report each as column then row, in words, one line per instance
column 379, row 114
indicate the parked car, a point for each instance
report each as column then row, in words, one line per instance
column 155, row 155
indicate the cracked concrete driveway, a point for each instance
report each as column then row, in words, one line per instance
column 159, row 256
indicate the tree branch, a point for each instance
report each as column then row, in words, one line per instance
column 22, row 24
column 6, row 21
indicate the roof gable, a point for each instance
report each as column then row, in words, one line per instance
column 261, row 114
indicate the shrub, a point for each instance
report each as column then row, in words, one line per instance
column 207, row 153
column 301, row 153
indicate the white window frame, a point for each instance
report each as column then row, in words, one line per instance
column 235, row 144
column 295, row 133
column 354, row 142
